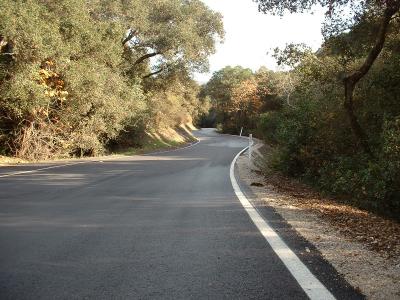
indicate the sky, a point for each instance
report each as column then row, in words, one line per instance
column 250, row 35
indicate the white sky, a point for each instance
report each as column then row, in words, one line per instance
column 250, row 35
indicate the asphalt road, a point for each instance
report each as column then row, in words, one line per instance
column 162, row 226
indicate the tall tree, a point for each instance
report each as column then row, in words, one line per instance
column 224, row 88
column 222, row 83
column 71, row 70
column 381, row 12
column 172, row 33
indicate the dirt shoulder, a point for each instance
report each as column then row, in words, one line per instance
column 363, row 247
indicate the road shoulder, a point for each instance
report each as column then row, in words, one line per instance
column 23, row 167
column 374, row 273
column 163, row 140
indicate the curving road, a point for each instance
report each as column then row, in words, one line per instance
column 162, row 226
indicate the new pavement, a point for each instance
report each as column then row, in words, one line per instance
column 162, row 226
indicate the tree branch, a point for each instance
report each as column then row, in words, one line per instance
column 153, row 73
column 129, row 37
column 146, row 56
column 377, row 48
column 350, row 81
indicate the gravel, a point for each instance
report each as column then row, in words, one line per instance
column 363, row 247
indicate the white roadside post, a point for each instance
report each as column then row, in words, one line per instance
column 250, row 147
column 241, row 130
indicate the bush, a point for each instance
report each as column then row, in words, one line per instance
column 267, row 126
column 314, row 142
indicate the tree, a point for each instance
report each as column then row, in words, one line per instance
column 74, row 74
column 220, row 89
column 172, row 33
column 383, row 13
column 246, row 102
column 274, row 88
column 222, row 83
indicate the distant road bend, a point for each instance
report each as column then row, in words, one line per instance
column 161, row 226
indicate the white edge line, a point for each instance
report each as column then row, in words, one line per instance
column 85, row 162
column 314, row 289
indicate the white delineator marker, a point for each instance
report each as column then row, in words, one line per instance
column 314, row 289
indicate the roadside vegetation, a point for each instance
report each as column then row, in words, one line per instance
column 333, row 116
column 80, row 78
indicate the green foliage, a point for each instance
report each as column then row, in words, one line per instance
column 222, row 83
column 314, row 142
column 302, row 112
column 175, row 33
column 69, row 86
column 267, row 126
column 238, row 95
column 312, row 132
column 374, row 184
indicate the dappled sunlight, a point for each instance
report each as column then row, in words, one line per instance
column 88, row 172
column 205, row 138
column 48, row 179
column 337, row 208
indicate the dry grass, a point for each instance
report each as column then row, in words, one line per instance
column 162, row 139
column 6, row 160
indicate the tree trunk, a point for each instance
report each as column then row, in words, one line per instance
column 350, row 81
column 355, row 125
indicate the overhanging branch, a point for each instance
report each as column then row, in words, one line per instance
column 130, row 36
column 154, row 73
column 146, row 56
column 351, row 80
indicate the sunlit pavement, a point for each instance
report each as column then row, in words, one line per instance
column 163, row 226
